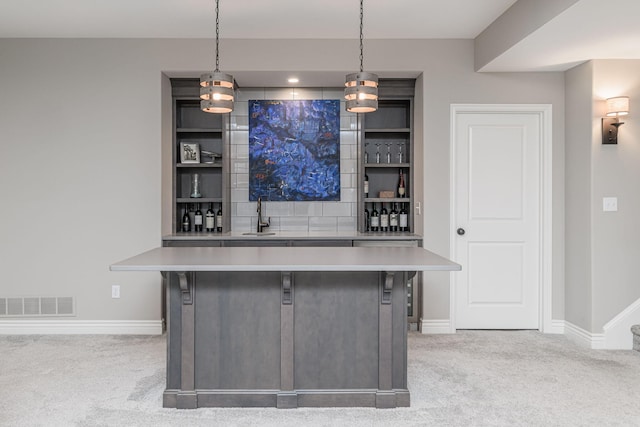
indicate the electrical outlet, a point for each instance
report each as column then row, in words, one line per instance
column 609, row 204
column 115, row 291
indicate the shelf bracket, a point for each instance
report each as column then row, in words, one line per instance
column 387, row 287
column 287, row 288
column 186, row 286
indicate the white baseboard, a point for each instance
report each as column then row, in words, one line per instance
column 583, row 337
column 80, row 327
column 436, row 326
column 557, row 327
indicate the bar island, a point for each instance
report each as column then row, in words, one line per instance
column 286, row 327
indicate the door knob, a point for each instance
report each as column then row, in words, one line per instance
column 460, row 231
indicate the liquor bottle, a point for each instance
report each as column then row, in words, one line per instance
column 367, row 225
column 219, row 219
column 210, row 219
column 384, row 219
column 186, row 220
column 366, row 185
column 393, row 219
column 375, row 219
column 197, row 219
column 401, row 186
column 403, row 218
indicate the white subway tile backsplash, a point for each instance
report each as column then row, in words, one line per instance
column 279, row 93
column 292, row 216
column 239, row 195
column 239, row 122
column 348, row 195
column 306, row 93
column 336, row 209
column 278, row 208
column 308, row 208
column 240, row 137
column 347, row 223
column 240, row 166
column 294, row 223
column 247, row 94
column 347, row 166
column 242, row 224
column 246, row 209
column 347, row 137
column 323, row 223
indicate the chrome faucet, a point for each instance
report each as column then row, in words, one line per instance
column 261, row 224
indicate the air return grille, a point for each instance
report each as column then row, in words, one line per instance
column 36, row 306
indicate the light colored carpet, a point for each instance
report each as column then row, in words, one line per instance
column 472, row 378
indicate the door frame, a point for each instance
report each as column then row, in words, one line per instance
column 544, row 112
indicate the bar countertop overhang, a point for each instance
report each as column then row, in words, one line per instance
column 286, row 259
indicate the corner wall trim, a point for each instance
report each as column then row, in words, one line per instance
column 583, row 337
column 436, row 326
column 80, row 327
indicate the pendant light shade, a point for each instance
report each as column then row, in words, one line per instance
column 216, row 88
column 361, row 89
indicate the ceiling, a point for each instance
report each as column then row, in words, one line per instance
column 578, row 34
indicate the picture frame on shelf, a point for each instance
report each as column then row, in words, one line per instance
column 189, row 152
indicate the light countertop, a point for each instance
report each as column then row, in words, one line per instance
column 293, row 235
column 287, row 259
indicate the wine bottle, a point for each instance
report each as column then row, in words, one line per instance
column 403, row 218
column 367, row 225
column 375, row 219
column 393, row 219
column 401, row 185
column 186, row 220
column 210, row 219
column 384, row 219
column 219, row 219
column 197, row 219
column 366, row 185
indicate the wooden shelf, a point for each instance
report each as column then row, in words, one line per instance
column 387, row 200
column 199, row 200
column 198, row 130
column 387, row 165
column 387, row 130
column 199, row 165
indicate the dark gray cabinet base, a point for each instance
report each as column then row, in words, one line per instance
column 286, row 339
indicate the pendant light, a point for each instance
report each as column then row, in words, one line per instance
column 361, row 90
column 216, row 91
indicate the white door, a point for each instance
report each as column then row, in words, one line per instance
column 497, row 185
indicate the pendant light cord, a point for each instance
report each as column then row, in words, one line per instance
column 218, row 37
column 361, row 45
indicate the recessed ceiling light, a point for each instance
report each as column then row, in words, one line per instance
column 293, row 80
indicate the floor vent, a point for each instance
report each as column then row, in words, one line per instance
column 36, row 306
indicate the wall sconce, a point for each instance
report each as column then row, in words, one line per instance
column 616, row 107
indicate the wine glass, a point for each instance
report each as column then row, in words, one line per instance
column 378, row 152
column 388, row 144
column 400, row 147
column 366, row 153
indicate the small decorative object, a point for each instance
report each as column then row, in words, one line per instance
column 189, row 152
column 211, row 155
column 195, row 186
column 387, row 194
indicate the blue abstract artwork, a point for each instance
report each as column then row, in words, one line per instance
column 294, row 150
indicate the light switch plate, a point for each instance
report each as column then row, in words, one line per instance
column 609, row 204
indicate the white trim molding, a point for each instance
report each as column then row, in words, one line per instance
column 436, row 326
column 545, row 321
column 582, row 337
column 80, row 327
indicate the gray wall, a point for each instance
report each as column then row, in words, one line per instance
column 579, row 141
column 84, row 122
column 602, row 247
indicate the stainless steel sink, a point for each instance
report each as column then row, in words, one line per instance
column 255, row 233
